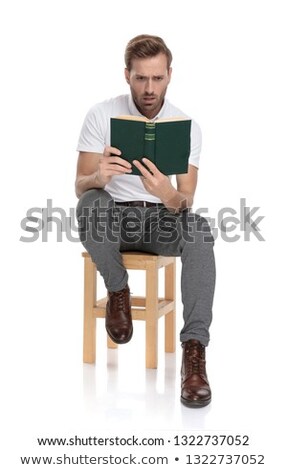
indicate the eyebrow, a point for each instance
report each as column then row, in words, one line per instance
column 145, row 76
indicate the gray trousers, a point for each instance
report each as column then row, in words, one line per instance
column 106, row 230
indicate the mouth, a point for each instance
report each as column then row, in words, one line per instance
column 149, row 99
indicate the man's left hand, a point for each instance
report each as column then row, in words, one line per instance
column 154, row 181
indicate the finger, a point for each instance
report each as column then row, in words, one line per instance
column 119, row 161
column 145, row 182
column 144, row 171
column 116, row 171
column 111, row 151
column 117, row 168
column 151, row 166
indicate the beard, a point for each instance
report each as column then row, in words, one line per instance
column 149, row 104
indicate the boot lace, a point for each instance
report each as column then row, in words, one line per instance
column 120, row 300
column 194, row 360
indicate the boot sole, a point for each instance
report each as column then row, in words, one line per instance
column 123, row 341
column 194, row 404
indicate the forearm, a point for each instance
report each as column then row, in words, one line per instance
column 95, row 170
column 85, row 182
column 176, row 201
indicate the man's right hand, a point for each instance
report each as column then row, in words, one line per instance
column 95, row 170
column 110, row 164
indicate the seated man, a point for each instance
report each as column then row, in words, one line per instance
column 118, row 211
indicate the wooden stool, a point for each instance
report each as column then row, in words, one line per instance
column 149, row 308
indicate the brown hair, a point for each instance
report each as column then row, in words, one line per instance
column 145, row 45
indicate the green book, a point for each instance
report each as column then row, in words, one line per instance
column 165, row 142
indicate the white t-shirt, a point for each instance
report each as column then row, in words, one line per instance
column 95, row 135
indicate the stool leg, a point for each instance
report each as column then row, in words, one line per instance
column 151, row 315
column 111, row 344
column 170, row 317
column 89, row 349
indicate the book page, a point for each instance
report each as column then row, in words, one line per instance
column 143, row 119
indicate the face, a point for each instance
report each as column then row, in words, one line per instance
column 148, row 80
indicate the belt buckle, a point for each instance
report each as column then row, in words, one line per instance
column 144, row 204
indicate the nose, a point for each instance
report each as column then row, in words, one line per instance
column 149, row 86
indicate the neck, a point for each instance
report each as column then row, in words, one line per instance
column 149, row 115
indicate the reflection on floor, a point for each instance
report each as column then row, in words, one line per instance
column 120, row 390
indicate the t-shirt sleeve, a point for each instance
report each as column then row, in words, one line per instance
column 195, row 144
column 92, row 136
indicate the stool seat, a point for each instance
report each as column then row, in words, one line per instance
column 148, row 308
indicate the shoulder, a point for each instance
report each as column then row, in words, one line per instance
column 109, row 107
column 175, row 111
column 196, row 131
column 172, row 110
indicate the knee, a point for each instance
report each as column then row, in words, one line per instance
column 91, row 199
column 203, row 229
column 196, row 230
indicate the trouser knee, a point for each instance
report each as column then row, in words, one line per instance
column 97, row 219
column 204, row 230
column 196, row 230
column 91, row 199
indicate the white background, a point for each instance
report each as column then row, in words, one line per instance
column 58, row 58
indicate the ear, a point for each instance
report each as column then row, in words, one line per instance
column 169, row 74
column 127, row 76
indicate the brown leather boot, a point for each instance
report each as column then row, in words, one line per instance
column 118, row 316
column 195, row 390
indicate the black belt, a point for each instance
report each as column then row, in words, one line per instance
column 139, row 204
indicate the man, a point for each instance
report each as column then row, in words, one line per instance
column 163, row 223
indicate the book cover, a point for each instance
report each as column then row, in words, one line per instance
column 165, row 142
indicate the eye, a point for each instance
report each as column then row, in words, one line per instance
column 140, row 78
column 158, row 79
